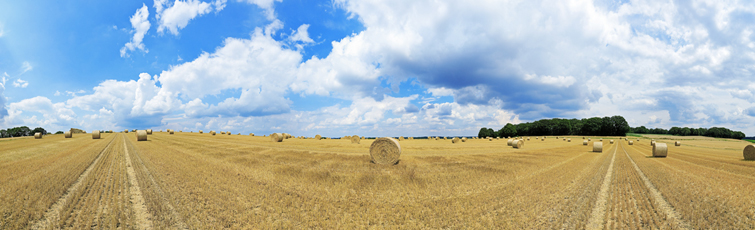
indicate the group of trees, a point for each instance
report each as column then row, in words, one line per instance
column 595, row 126
column 686, row 131
column 21, row 132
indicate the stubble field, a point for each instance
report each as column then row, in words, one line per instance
column 199, row 181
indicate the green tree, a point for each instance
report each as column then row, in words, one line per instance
column 508, row 130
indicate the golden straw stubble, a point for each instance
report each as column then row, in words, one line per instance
column 385, row 150
column 749, row 152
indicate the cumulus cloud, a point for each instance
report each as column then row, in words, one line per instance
column 266, row 5
column 140, row 23
column 301, row 35
column 50, row 114
column 3, row 109
column 178, row 15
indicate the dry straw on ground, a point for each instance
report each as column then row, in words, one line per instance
column 660, row 150
column 355, row 139
column 96, row 134
column 517, row 144
column 276, row 137
column 141, row 135
column 385, row 150
column 68, row 134
column 749, row 152
column 149, row 131
column 318, row 137
column 37, row 135
column 678, row 143
column 455, row 140
column 597, row 147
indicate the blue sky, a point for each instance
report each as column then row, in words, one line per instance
column 373, row 68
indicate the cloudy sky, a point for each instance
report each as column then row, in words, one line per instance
column 374, row 67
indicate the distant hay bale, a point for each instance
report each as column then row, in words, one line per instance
column 149, row 131
column 411, row 138
column 463, row 139
column 510, row 142
column 125, row 131
column 660, row 150
column 455, row 140
column 318, row 137
column 583, row 138
column 490, row 139
column 429, row 137
column 201, row 132
column 180, row 131
column 749, row 152
column 276, row 137
column 327, row 138
column 652, row 143
column 638, row 139
column 597, row 147
column 537, row 138
column 517, row 144
column 584, row 142
column 37, row 135
column 68, row 134
column 251, row 134
column 542, row 139
column 528, row 138
column 171, row 131
column 588, row 139
column 568, row 140
column 141, row 135
column 212, row 133
column 611, row 141
column 631, row 142
column 401, row 138
column 678, row 143
column 222, row 132
column 385, row 150
column 355, row 139
column 445, row 138
column 96, row 134
column 229, row 133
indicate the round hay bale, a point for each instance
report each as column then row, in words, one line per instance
column 588, row 139
column 276, row 137
column 318, row 137
column 180, row 131
column 611, row 141
column 149, row 131
column 445, row 138
column 37, row 135
column 583, row 138
column 584, row 142
column 455, row 140
column 631, row 142
column 251, row 134
column 490, row 139
column 201, row 132
column 411, row 138
column 355, row 139
column 678, row 143
column 528, row 138
column 141, row 135
column 429, row 137
column 125, row 131
column 385, row 150
column 638, row 139
column 229, row 133
column 749, row 152
column 68, row 134
column 212, row 133
column 171, row 131
column 463, row 139
column 222, row 132
column 517, row 144
column 542, row 139
column 597, row 147
column 536, row 138
column 96, row 134
column 401, row 138
column 510, row 142
column 568, row 140
column 660, row 150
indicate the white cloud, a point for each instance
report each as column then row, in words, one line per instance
column 301, row 35
column 140, row 23
column 440, row 92
column 177, row 16
column 26, row 67
column 18, row 83
column 3, row 108
column 57, row 93
column 266, row 5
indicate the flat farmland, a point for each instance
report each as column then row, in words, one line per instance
column 200, row 181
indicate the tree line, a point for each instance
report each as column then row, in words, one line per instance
column 595, row 126
column 719, row 132
column 21, row 131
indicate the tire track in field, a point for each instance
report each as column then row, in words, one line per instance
column 598, row 213
column 180, row 224
column 53, row 214
column 143, row 218
column 661, row 202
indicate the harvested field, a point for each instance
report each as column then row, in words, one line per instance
column 191, row 181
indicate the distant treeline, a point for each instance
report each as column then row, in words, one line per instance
column 21, row 132
column 595, row 126
column 686, row 131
